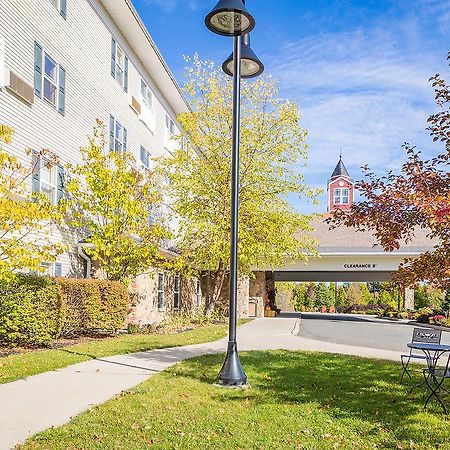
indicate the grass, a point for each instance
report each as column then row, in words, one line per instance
column 297, row 400
column 14, row 367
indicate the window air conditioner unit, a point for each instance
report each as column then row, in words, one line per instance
column 135, row 105
column 19, row 87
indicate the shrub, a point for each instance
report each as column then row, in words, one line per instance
column 92, row 305
column 363, row 309
column 30, row 311
column 114, row 303
column 424, row 314
column 35, row 310
column 81, row 304
column 438, row 319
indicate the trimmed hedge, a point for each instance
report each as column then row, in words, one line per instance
column 35, row 310
column 92, row 305
column 31, row 311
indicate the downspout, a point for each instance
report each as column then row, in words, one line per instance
column 87, row 259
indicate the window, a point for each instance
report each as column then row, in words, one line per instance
column 119, row 65
column 48, row 269
column 198, row 294
column 146, row 95
column 48, row 181
column 51, row 269
column 47, row 178
column 147, row 115
column 341, row 196
column 160, row 291
column 61, row 6
column 49, row 79
column 117, row 136
column 185, row 143
column 176, row 292
column 145, row 158
column 170, row 125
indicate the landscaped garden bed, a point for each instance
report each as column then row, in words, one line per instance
column 296, row 400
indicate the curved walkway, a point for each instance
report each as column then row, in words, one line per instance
column 53, row 398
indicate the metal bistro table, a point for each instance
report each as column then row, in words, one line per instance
column 434, row 376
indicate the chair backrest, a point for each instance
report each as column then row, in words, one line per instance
column 427, row 335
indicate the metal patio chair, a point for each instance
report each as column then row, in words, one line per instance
column 434, row 378
column 424, row 335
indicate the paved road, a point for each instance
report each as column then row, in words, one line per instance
column 356, row 330
column 53, row 398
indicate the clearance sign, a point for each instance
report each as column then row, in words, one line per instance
column 360, row 266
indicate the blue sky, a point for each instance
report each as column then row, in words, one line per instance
column 358, row 70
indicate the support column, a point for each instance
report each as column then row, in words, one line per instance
column 409, row 299
column 257, row 292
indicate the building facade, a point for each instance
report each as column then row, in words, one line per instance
column 66, row 63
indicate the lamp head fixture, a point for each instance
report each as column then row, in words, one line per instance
column 251, row 65
column 230, row 18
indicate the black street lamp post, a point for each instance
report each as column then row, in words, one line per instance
column 231, row 18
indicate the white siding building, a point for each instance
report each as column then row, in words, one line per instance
column 66, row 63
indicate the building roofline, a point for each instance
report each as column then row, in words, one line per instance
column 118, row 10
column 155, row 48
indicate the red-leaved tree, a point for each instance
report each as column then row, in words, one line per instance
column 395, row 205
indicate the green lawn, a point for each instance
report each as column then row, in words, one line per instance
column 30, row 363
column 297, row 400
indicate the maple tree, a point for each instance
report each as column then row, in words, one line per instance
column 26, row 218
column 395, row 205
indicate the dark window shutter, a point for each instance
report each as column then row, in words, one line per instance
column 60, row 183
column 143, row 156
column 62, row 90
column 36, row 172
column 38, row 69
column 111, row 132
column 125, row 76
column 58, row 269
column 113, row 58
column 63, row 8
column 124, row 139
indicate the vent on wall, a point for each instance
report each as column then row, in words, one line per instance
column 135, row 105
column 19, row 87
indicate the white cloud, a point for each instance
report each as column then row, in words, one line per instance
column 360, row 92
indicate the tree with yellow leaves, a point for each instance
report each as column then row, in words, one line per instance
column 272, row 149
column 109, row 204
column 25, row 217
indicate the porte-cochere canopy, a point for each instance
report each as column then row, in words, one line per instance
column 350, row 255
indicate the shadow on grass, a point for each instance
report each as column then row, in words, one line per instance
column 345, row 387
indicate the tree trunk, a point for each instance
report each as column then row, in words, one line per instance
column 211, row 283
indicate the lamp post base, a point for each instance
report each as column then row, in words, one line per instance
column 232, row 374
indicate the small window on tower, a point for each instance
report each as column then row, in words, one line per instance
column 341, row 196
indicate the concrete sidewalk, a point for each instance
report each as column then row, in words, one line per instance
column 53, row 398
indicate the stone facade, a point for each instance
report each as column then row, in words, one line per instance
column 242, row 296
column 148, row 306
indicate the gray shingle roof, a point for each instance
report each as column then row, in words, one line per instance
column 347, row 240
column 340, row 170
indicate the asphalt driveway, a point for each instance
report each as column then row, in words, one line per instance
column 357, row 330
